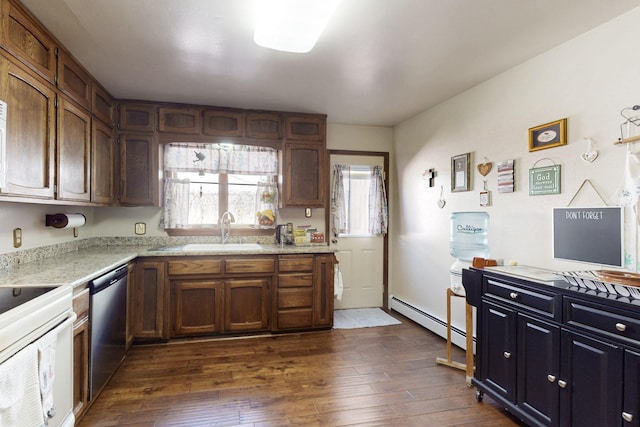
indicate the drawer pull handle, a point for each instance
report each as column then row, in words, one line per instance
column 562, row 383
column 627, row 417
column 507, row 355
column 551, row 378
column 513, row 295
column 621, row 327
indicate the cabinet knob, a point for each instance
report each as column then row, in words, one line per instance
column 513, row 295
column 551, row 378
column 621, row 327
column 627, row 417
column 562, row 383
column 507, row 355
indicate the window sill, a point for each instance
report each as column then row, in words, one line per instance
column 215, row 231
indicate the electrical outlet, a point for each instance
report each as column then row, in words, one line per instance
column 17, row 237
column 141, row 228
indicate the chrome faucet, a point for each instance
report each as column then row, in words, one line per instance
column 225, row 225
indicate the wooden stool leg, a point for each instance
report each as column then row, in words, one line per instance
column 469, row 344
column 448, row 361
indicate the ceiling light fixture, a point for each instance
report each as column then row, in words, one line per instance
column 292, row 25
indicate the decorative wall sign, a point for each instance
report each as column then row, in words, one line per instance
column 485, row 168
column 460, row 172
column 544, row 180
column 590, row 155
column 505, row 176
column 549, row 135
column 485, row 195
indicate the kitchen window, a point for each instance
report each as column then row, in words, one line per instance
column 202, row 181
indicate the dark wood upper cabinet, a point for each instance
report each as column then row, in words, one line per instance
column 31, row 132
column 74, row 152
column 138, row 169
column 73, row 80
column 102, row 163
column 102, row 106
column 138, row 117
column 220, row 122
column 180, row 120
column 303, row 174
column 27, row 40
column 305, row 127
column 263, row 125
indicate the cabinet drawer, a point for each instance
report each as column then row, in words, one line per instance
column 295, row 298
column 298, row 318
column 295, row 280
column 250, row 265
column 295, row 264
column 546, row 304
column 202, row 266
column 609, row 322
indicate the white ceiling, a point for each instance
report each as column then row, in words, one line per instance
column 378, row 62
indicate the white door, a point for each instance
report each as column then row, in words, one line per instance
column 360, row 255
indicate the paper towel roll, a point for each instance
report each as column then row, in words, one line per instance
column 65, row 220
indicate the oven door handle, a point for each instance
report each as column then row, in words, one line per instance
column 71, row 317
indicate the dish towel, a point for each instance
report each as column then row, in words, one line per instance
column 46, row 372
column 338, row 286
column 20, row 403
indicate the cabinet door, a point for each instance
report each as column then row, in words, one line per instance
column 246, row 304
column 223, row 123
column 196, row 307
column 304, row 172
column 102, row 163
column 538, row 369
column 102, row 105
column 30, row 132
column 149, row 295
column 27, row 40
column 138, row 170
column 137, row 117
column 631, row 396
column 74, row 152
column 74, row 80
column 305, row 127
column 263, row 125
column 80, row 367
column 590, row 382
column 323, row 290
column 180, row 120
column 499, row 350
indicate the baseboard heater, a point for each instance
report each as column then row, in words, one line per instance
column 430, row 322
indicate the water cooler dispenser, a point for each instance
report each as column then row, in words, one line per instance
column 468, row 239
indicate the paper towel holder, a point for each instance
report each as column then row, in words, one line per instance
column 66, row 221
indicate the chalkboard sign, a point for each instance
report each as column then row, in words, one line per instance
column 593, row 235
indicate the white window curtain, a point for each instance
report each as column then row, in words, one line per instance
column 339, row 202
column 359, row 201
column 220, row 158
column 378, row 208
column 207, row 158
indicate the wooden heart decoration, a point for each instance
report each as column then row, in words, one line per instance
column 485, row 168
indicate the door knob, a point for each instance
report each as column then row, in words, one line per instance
column 621, row 327
column 513, row 295
column 562, row 383
column 627, row 417
column 551, row 378
column 507, row 355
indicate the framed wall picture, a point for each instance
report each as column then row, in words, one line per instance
column 460, row 176
column 549, row 135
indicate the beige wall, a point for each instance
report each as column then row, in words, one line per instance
column 588, row 80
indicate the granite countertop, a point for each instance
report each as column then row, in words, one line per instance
column 78, row 267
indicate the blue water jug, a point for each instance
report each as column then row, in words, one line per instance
column 469, row 235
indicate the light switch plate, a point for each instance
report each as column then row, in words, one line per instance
column 141, row 228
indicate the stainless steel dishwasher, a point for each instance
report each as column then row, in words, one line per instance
column 108, row 316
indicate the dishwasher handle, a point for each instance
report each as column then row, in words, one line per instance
column 108, row 279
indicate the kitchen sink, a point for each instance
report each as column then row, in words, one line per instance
column 209, row 247
column 194, row 247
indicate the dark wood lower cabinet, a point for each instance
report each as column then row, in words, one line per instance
column 207, row 295
column 554, row 355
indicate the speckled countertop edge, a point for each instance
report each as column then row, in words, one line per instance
column 86, row 263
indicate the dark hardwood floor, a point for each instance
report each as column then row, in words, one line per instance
column 384, row 376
